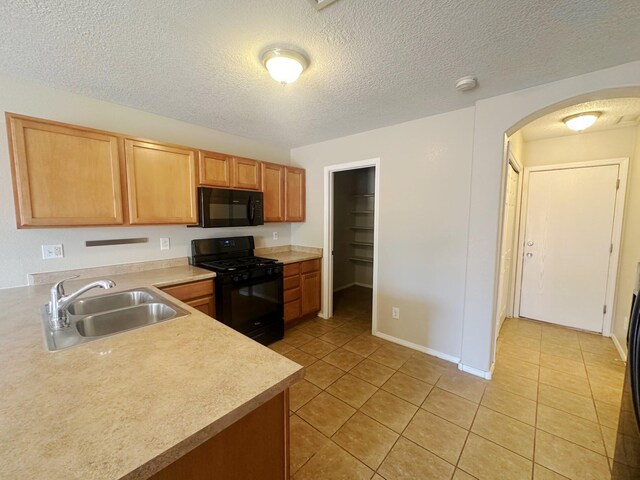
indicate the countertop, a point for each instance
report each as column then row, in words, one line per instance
column 290, row 253
column 124, row 406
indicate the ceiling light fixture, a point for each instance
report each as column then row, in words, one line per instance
column 467, row 83
column 284, row 66
column 581, row 121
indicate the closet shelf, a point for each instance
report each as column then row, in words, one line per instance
column 361, row 259
column 362, row 244
column 361, row 228
column 364, row 195
column 358, row 212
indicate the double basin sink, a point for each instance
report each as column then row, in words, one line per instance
column 100, row 316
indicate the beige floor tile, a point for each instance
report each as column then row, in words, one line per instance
column 567, row 402
column 610, row 437
column 503, row 463
column 505, row 431
column 559, row 351
column 318, row 348
column 608, row 414
column 408, row 388
column 366, row 439
column 389, row 410
column 322, row 374
column 522, row 342
column 462, row 475
column 565, row 381
column 606, row 394
column 337, row 337
column 333, row 463
column 569, row 459
column 372, row 372
column 553, row 341
column 296, row 338
column 510, row 404
column 575, row 429
column 333, row 322
column 611, row 375
column 422, row 369
column 364, row 346
column 436, row 435
column 514, row 366
column 434, row 361
column 301, row 357
column 326, row 413
column 541, row 473
column 451, row 407
column 409, row 461
column 352, row 390
column 596, row 358
column 518, row 385
column 597, row 344
column 300, row 393
column 390, row 357
column 305, row 442
column 463, row 384
column 281, row 347
column 343, row 359
column 531, row 356
column 565, row 365
column 314, row 328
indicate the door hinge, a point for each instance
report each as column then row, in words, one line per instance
column 604, row 310
column 617, row 184
column 611, row 248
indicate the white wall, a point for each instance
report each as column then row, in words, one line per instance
column 425, row 168
column 20, row 253
column 602, row 145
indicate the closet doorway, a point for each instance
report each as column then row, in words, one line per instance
column 351, row 224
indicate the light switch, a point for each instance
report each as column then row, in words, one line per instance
column 165, row 244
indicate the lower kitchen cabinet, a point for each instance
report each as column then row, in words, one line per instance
column 302, row 287
column 199, row 295
column 254, row 447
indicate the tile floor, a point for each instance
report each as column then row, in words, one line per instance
column 371, row 409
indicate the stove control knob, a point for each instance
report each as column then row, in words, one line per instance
column 269, row 271
column 277, row 270
column 236, row 278
column 245, row 276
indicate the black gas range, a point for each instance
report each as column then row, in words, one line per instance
column 249, row 289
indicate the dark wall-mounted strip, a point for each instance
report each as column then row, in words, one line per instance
column 117, row 241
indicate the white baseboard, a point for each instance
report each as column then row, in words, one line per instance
column 415, row 346
column 358, row 284
column 344, row 287
column 621, row 351
column 476, row 371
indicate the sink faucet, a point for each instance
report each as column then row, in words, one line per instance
column 59, row 301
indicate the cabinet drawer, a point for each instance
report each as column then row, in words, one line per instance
column 291, row 310
column 311, row 266
column 189, row 291
column 291, row 269
column 291, row 295
column 291, row 282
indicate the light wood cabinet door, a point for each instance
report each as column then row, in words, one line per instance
column 161, row 182
column 64, row 175
column 215, row 169
column 273, row 191
column 206, row 305
column 310, row 293
column 246, row 173
column 294, row 190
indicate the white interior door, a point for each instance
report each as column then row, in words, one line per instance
column 507, row 254
column 567, row 241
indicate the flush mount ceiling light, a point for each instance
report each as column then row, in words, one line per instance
column 284, row 66
column 581, row 121
column 467, row 83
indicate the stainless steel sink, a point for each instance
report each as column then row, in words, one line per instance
column 100, row 316
column 88, row 306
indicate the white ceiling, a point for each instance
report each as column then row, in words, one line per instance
column 373, row 62
column 615, row 113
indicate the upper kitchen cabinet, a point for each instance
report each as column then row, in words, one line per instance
column 246, row 173
column 294, row 194
column 64, row 175
column 161, row 183
column 215, row 169
column 273, row 189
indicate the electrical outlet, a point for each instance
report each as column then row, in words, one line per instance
column 395, row 313
column 52, row 251
column 165, row 244
column 275, row 235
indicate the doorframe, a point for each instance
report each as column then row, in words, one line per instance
column 616, row 234
column 327, row 258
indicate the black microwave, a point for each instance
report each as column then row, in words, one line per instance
column 220, row 207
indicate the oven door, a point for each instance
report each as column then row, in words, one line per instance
column 220, row 207
column 251, row 305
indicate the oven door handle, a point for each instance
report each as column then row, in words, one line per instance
column 251, row 210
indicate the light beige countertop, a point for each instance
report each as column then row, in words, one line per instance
column 289, row 253
column 127, row 405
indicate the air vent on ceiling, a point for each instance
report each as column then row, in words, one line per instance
column 320, row 4
column 628, row 119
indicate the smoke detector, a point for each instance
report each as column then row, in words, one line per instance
column 467, row 83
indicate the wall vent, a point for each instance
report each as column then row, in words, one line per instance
column 320, row 4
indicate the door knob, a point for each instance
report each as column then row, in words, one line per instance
column 530, row 243
column 529, row 255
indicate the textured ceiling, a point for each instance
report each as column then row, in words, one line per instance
column 615, row 113
column 373, row 62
